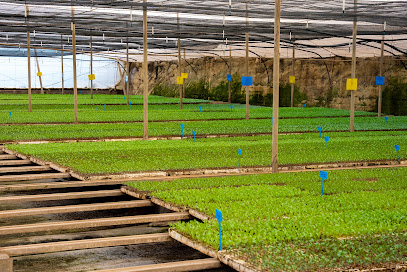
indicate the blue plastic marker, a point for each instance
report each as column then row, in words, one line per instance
column 11, row 118
column 387, row 119
column 200, row 108
column 272, row 121
column 193, row 132
column 182, row 130
column 231, row 107
column 105, row 106
column 327, row 140
column 130, row 104
column 69, row 94
column 240, row 154
column 97, row 110
column 397, row 147
column 324, row 176
column 305, row 105
column 219, row 217
column 320, row 132
column 124, row 98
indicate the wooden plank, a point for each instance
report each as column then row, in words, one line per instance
column 85, row 244
column 192, row 265
column 94, row 223
column 76, row 208
column 34, row 177
column 60, row 196
column 14, row 162
column 7, row 157
column 24, row 169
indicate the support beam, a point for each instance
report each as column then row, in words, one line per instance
column 11, row 178
column 29, row 71
column 379, row 103
column 24, row 169
column 62, row 68
column 38, row 69
column 14, row 162
column 247, row 61
column 352, row 93
column 94, row 223
column 179, row 62
column 230, row 73
column 276, row 84
column 145, row 73
column 127, row 93
column 75, row 79
column 293, row 74
column 184, row 71
column 85, row 244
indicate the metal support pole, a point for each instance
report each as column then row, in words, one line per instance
column 379, row 104
column 39, row 71
column 230, row 73
column 179, row 62
column 276, row 83
column 293, row 74
column 91, row 67
column 75, row 80
column 352, row 94
column 247, row 61
column 127, row 71
column 145, row 70
column 29, row 71
column 62, row 65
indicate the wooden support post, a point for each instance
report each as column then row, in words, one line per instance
column 293, row 74
column 379, row 103
column 179, row 62
column 247, row 61
column 145, row 70
column 91, row 67
column 75, row 80
column 62, row 65
column 276, row 83
column 127, row 70
column 184, row 71
column 38, row 69
column 29, row 70
column 352, row 94
column 230, row 73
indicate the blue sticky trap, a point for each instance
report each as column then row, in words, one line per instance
column 380, row 80
column 247, row 81
column 11, row 118
column 200, row 108
column 305, row 106
column 229, row 77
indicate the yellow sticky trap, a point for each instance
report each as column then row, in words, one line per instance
column 184, row 75
column 39, row 74
column 352, row 84
column 92, row 77
column 180, row 80
column 292, row 79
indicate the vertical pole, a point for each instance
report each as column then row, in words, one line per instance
column 379, row 106
column 145, row 70
column 247, row 60
column 75, row 80
column 293, row 74
column 39, row 71
column 352, row 94
column 91, row 67
column 276, row 83
column 230, row 73
column 179, row 62
column 62, row 65
column 184, row 70
column 127, row 70
column 29, row 70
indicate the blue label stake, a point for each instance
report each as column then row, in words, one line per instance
column 11, row 118
column 219, row 217
column 130, row 104
column 272, row 121
column 305, row 106
column 69, row 94
column 193, row 132
column 200, row 108
column 327, row 140
column 182, row 130
column 397, row 147
column 320, row 132
column 324, row 176
column 97, row 110
column 240, row 154
column 105, row 106
column 231, row 107
column 387, row 119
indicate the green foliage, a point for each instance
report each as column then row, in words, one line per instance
column 395, row 97
column 197, row 90
column 166, row 90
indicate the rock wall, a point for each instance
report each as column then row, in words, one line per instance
column 318, row 78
